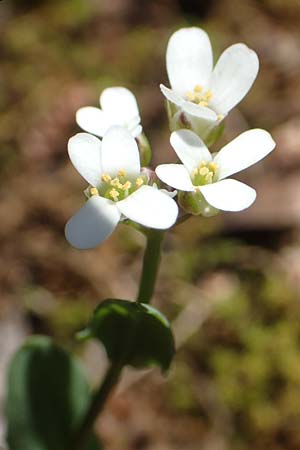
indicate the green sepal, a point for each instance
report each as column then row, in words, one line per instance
column 47, row 398
column 135, row 333
column 194, row 203
column 144, row 149
column 215, row 134
column 208, row 131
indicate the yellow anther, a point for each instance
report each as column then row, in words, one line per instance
column 209, row 177
column 203, row 171
column 199, row 96
column 195, row 171
column 94, row 191
column 116, row 183
column 198, row 88
column 106, row 178
column 203, row 163
column 213, row 166
column 122, row 173
column 139, row 181
column 220, row 117
column 190, row 96
column 126, row 186
column 114, row 194
column 203, row 103
column 208, row 95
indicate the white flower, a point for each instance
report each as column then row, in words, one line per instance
column 119, row 107
column 205, row 175
column 199, row 90
column 118, row 189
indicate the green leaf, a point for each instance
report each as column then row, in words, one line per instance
column 135, row 333
column 47, row 397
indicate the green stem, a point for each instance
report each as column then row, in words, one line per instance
column 96, row 406
column 150, row 265
column 147, row 283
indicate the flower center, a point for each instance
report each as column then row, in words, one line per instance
column 199, row 96
column 117, row 188
column 206, row 173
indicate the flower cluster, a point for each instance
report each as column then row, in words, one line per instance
column 204, row 175
column 198, row 101
column 200, row 96
column 118, row 188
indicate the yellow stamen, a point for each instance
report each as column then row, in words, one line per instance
column 213, row 166
column 114, row 194
column 106, row 178
column 209, row 177
column 122, row 173
column 190, row 96
column 94, row 191
column 198, row 88
column 116, row 183
column 139, row 181
column 195, row 172
column 203, row 171
column 203, row 103
column 220, row 117
column 208, row 95
column 203, row 163
column 199, row 96
column 126, row 186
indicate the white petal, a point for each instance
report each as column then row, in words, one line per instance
column 233, row 76
column 150, row 207
column 133, row 123
column 189, row 59
column 189, row 148
column 176, row 176
column 93, row 120
column 201, row 112
column 171, row 194
column 228, row 195
column 84, row 151
column 120, row 151
column 244, row 151
column 135, row 132
column 171, row 95
column 120, row 103
column 93, row 223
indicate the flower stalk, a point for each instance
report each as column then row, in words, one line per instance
column 96, row 406
column 150, row 265
column 148, row 277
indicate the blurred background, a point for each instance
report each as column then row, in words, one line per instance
column 230, row 284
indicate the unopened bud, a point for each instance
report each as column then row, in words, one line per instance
column 194, row 203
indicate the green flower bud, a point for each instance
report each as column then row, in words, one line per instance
column 194, row 203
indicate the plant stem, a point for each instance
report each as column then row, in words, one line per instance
column 146, row 288
column 96, row 406
column 150, row 265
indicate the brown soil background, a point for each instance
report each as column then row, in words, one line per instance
column 230, row 284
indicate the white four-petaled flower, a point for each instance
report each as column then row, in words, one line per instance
column 202, row 173
column 118, row 189
column 119, row 107
column 199, row 90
